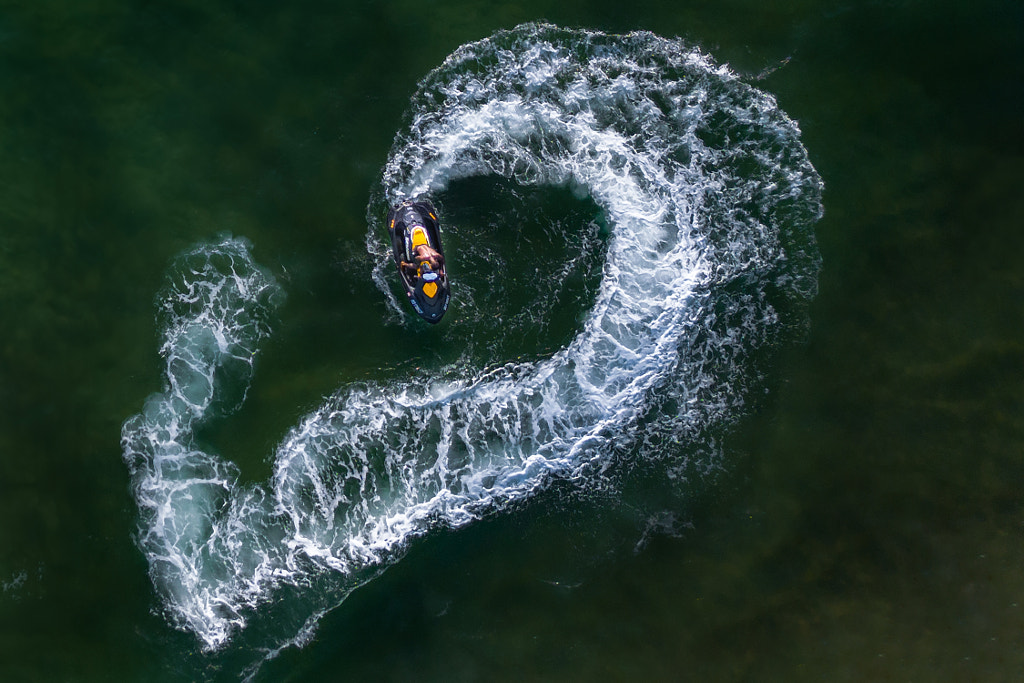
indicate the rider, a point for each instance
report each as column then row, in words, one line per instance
column 425, row 258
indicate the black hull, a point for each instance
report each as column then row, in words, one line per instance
column 430, row 303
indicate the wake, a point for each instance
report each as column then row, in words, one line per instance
column 711, row 202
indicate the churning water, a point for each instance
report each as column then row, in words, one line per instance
column 709, row 201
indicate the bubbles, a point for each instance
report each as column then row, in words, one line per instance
column 194, row 518
column 709, row 201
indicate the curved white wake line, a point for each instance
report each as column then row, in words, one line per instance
column 631, row 121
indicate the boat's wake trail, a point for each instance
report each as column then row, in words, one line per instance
column 710, row 199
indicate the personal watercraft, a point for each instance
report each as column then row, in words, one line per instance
column 412, row 225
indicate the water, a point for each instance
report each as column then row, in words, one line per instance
column 650, row 438
column 704, row 232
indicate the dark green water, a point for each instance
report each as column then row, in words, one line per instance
column 868, row 524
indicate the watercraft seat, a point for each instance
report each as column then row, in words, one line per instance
column 416, row 236
column 419, row 236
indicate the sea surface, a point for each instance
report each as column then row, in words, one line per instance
column 731, row 386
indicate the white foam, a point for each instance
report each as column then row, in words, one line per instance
column 377, row 465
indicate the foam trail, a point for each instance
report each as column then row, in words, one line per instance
column 710, row 199
column 215, row 309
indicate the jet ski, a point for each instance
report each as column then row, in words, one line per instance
column 412, row 224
